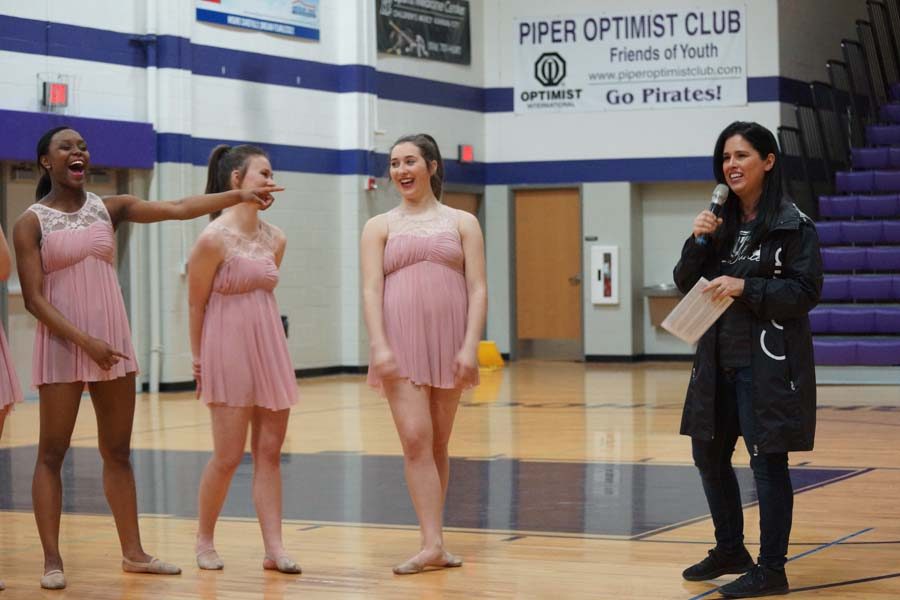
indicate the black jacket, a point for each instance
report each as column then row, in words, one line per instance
column 780, row 295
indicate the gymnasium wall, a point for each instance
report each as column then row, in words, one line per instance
column 328, row 111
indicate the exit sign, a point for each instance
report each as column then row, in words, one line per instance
column 56, row 94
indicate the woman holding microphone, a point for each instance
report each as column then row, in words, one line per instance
column 753, row 374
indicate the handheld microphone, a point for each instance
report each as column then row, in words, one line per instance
column 719, row 196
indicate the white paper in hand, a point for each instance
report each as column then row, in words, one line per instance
column 696, row 313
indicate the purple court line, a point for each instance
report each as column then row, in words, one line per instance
column 801, row 555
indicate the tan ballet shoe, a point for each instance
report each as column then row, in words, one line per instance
column 53, row 580
column 411, row 567
column 154, row 567
column 209, row 560
column 282, row 564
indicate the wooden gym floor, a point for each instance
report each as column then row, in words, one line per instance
column 568, row 481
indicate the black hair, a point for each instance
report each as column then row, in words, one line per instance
column 765, row 144
column 224, row 160
column 43, row 147
column 430, row 152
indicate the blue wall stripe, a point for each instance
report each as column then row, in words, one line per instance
column 499, row 100
column 130, row 145
column 680, row 168
column 23, row 35
column 172, row 52
column 404, row 88
column 181, row 148
column 120, row 144
column 778, row 89
column 277, row 70
column 68, row 41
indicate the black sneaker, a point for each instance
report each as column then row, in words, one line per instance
column 758, row 581
column 718, row 563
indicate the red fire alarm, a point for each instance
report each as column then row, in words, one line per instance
column 370, row 184
column 466, row 153
column 56, row 94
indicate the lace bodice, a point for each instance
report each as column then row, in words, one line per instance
column 92, row 211
column 442, row 220
column 260, row 246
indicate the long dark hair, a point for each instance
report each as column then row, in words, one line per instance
column 763, row 142
column 430, row 152
column 224, row 160
column 43, row 147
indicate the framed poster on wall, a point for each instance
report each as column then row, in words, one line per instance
column 604, row 274
column 429, row 30
column 297, row 18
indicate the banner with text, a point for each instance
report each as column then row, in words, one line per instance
column 298, row 18
column 429, row 29
column 672, row 58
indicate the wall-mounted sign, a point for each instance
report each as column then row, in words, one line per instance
column 429, row 29
column 629, row 60
column 298, row 18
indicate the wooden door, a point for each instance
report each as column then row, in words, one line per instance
column 462, row 201
column 548, row 264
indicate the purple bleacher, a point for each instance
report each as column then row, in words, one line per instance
column 887, row 320
column 829, row 233
column 878, row 352
column 879, row 205
column 891, row 112
column 883, row 135
column 836, row 207
column 890, row 232
column 887, row 181
column 852, row 181
column 870, row 158
column 843, row 259
column 872, row 287
column 852, row 320
column 836, row 287
column 820, row 320
column 834, row 352
column 861, row 232
column 883, row 258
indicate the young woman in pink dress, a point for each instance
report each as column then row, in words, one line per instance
column 425, row 300
column 65, row 249
column 241, row 361
column 10, row 392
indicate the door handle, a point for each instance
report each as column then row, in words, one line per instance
column 575, row 279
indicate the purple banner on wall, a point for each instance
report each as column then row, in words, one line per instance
column 427, row 29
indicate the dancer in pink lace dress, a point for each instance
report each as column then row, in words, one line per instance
column 65, row 249
column 10, row 392
column 425, row 301
column 241, row 361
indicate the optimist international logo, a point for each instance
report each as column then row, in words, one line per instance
column 550, row 69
